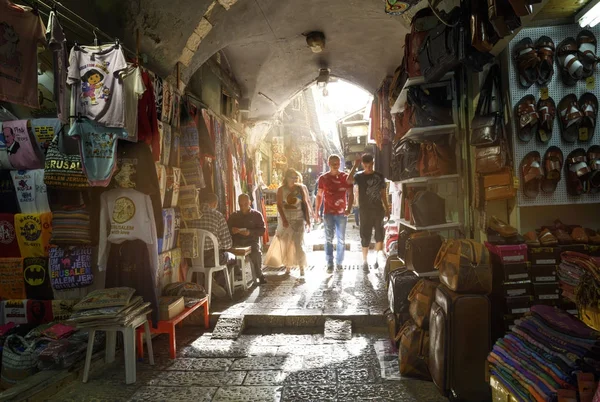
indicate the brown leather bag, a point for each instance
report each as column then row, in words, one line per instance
column 422, row 22
column 491, row 159
column 465, row 266
column 502, row 17
column 498, row 186
column 483, row 36
column 435, row 159
column 413, row 351
column 522, row 8
column 421, row 297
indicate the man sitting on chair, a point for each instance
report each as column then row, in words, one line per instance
column 214, row 221
column 247, row 227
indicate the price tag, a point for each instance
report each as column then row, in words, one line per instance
column 583, row 134
column 544, row 93
column 543, row 135
column 590, row 82
column 516, row 182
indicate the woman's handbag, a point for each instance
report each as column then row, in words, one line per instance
column 487, row 126
column 464, row 266
column 435, row 159
column 63, row 171
column 498, row 186
column 420, row 251
column 413, row 351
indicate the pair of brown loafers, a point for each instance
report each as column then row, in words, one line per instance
column 549, row 238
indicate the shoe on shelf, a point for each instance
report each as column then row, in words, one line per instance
column 503, row 229
column 329, row 268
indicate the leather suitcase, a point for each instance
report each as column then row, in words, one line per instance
column 401, row 283
column 459, row 342
column 421, row 250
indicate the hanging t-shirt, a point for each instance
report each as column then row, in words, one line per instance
column 39, row 312
column 98, row 147
column 31, row 191
column 9, row 247
column 20, row 33
column 23, row 152
column 334, row 188
column 4, row 161
column 58, row 44
column 8, row 194
column 15, row 310
column 99, row 93
column 33, row 233
column 44, row 131
column 147, row 119
column 71, row 267
column 134, row 89
column 37, row 278
column 12, row 285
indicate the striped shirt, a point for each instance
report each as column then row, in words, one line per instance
column 213, row 221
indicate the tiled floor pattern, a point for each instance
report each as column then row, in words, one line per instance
column 276, row 366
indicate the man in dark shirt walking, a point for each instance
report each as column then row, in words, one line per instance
column 374, row 207
column 247, row 226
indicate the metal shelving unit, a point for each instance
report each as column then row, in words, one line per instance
column 433, row 228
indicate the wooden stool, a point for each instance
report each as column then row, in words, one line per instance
column 242, row 256
column 168, row 327
column 111, row 345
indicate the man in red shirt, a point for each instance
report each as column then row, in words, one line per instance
column 333, row 190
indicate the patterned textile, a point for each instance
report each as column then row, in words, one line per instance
column 213, row 221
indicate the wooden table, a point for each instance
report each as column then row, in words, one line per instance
column 168, row 327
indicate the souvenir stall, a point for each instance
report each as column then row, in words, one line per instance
column 516, row 134
column 92, row 194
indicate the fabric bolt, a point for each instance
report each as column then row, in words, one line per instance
column 98, row 147
column 71, row 267
column 93, row 76
column 133, row 91
column 582, row 342
column 9, row 247
column 12, row 282
column 510, row 384
column 542, row 389
column 33, row 233
column 147, row 119
column 44, row 131
column 213, row 221
column 71, row 225
column 58, row 45
column 15, row 311
column 335, row 224
column 554, row 362
column 8, row 193
column 545, row 382
column 37, row 278
column 126, row 214
column 23, row 152
column 556, row 342
column 31, row 191
column 21, row 32
column 369, row 190
column 520, row 377
column 334, row 192
column 528, row 338
column 136, row 169
column 130, row 265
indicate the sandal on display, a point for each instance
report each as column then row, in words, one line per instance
column 588, row 104
column 562, row 236
column 586, row 46
column 531, row 239
column 593, row 236
column 553, row 163
column 593, row 161
column 546, row 238
column 502, row 228
column 570, row 118
column 546, row 109
column 545, row 52
column 577, row 172
column 532, row 174
column 571, row 69
column 580, row 236
column 527, row 114
column 527, row 60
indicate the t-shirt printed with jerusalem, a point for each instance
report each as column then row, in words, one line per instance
column 334, row 192
column 369, row 190
column 98, row 91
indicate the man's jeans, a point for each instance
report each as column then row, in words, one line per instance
column 335, row 223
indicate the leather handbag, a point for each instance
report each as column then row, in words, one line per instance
column 487, row 126
column 483, row 36
column 428, row 109
column 423, row 21
column 63, row 171
column 421, row 298
column 400, row 284
column 421, row 249
column 498, row 186
column 406, row 159
column 402, row 239
column 503, row 17
column 491, row 159
column 428, row 209
column 443, row 49
column 464, row 266
column 435, row 159
column 413, row 351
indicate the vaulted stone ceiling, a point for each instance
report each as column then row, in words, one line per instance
column 262, row 40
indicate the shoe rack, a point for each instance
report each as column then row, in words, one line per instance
column 557, row 89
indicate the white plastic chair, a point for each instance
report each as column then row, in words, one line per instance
column 198, row 264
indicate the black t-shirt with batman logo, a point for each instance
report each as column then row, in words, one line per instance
column 37, row 279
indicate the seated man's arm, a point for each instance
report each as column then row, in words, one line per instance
column 258, row 225
column 232, row 229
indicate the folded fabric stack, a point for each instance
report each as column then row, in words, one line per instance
column 579, row 276
column 71, row 225
column 569, row 276
column 113, row 306
column 543, row 353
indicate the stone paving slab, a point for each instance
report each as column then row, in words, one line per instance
column 180, row 394
column 201, row 364
column 338, row 329
column 248, row 394
column 310, row 393
column 201, row 379
column 265, row 377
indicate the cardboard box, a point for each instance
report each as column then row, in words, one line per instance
column 516, row 272
column 518, row 304
column 546, row 291
column 544, row 255
column 499, row 392
column 578, row 248
column 170, row 307
column 543, row 273
column 521, row 288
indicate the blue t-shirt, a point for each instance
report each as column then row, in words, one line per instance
column 98, row 148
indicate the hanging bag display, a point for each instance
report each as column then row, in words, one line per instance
column 487, row 126
column 428, row 209
column 465, row 267
column 435, row 159
column 421, row 249
column 63, row 171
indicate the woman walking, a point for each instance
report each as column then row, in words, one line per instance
column 294, row 214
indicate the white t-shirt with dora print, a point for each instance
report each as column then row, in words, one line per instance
column 97, row 87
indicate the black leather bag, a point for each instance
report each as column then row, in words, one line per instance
column 401, row 283
column 405, row 163
column 402, row 238
column 428, row 208
column 421, row 252
column 429, row 110
column 443, row 49
column 487, row 126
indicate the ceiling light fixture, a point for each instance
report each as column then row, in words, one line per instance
column 590, row 15
column 316, row 41
column 323, row 78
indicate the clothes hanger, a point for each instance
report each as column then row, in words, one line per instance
column 95, row 38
